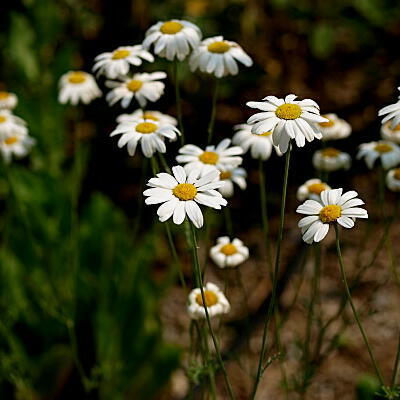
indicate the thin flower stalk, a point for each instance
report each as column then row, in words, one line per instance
column 210, row 129
column 178, row 101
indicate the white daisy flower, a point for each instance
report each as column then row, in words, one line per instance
column 229, row 254
column 17, row 144
column 149, row 133
column 260, row 146
column 181, row 192
column 10, row 123
column 172, row 39
column 8, row 100
column 335, row 128
column 390, row 133
column 216, row 302
column 331, row 159
column 287, row 119
column 116, row 63
column 311, row 189
column 334, row 207
column 78, row 86
column 220, row 157
column 393, row 180
column 387, row 152
column 143, row 87
column 160, row 118
column 230, row 176
column 391, row 113
column 219, row 57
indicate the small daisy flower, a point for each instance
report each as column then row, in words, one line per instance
column 334, row 207
column 391, row 113
column 260, row 146
column 181, row 193
column 335, row 128
column 78, row 86
column 231, row 176
column 287, row 119
column 219, row 57
column 8, row 100
column 311, row 189
column 172, row 39
column 116, row 63
column 331, row 159
column 216, row 302
column 15, row 144
column 390, row 133
column 218, row 157
column 148, row 132
column 229, row 254
column 10, row 123
column 143, row 87
column 393, row 180
column 387, row 152
column 160, row 118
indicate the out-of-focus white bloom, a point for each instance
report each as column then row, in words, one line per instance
column 391, row 113
column 219, row 57
column 143, row 87
column 393, row 180
column 230, row 176
column 10, row 123
column 148, row 132
column 333, row 207
column 181, row 192
column 215, row 300
column 229, row 254
column 78, row 86
column 331, row 159
column 8, row 100
column 335, row 128
column 220, row 157
column 389, row 133
column 387, row 152
column 115, row 63
column 172, row 39
column 311, row 189
column 287, row 119
column 260, row 146
column 157, row 116
column 17, row 144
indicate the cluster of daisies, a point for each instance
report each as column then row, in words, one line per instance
column 14, row 138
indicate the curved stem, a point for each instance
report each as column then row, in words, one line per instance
column 178, row 101
column 210, row 129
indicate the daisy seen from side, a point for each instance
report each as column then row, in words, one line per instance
column 335, row 128
column 8, row 100
column 78, row 87
column 229, row 253
column 387, row 152
column 15, row 144
column 10, row 123
column 330, row 159
column 393, row 180
column 231, row 176
column 311, row 189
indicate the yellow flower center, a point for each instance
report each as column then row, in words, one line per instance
column 327, row 124
column 383, row 148
column 119, row 54
column 148, row 115
column 4, row 95
column 77, row 77
column 265, row 134
column 185, row 191
column 146, row 127
column 330, row 152
column 2, row 119
column 209, row 157
column 316, row 188
column 225, row 175
column 228, row 249
column 396, row 174
column 218, row 47
column 397, row 127
column 330, row 213
column 210, row 298
column 11, row 140
column 134, row 85
column 288, row 111
column 171, row 27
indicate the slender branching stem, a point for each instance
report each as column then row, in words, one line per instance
column 210, row 129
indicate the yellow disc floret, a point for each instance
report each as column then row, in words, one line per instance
column 2, row 119
column 134, row 85
column 397, row 128
column 185, row 191
column 210, row 297
column 288, row 111
column 11, row 140
column 146, row 127
column 171, row 27
column 383, row 148
column 330, row 152
column 316, row 188
column 119, row 54
column 209, row 157
column 219, row 47
column 148, row 115
column 77, row 77
column 225, row 175
column 330, row 213
column 228, row 249
column 4, row 95
column 265, row 133
column 327, row 124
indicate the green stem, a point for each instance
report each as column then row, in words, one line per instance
column 396, row 366
column 210, row 129
column 350, row 300
column 199, row 282
column 164, row 163
column 178, row 101
column 228, row 222
column 275, row 276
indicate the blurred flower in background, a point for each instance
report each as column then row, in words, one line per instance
column 331, row 159
column 78, row 86
column 312, row 189
column 335, row 128
column 229, row 253
column 8, row 100
column 387, row 152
